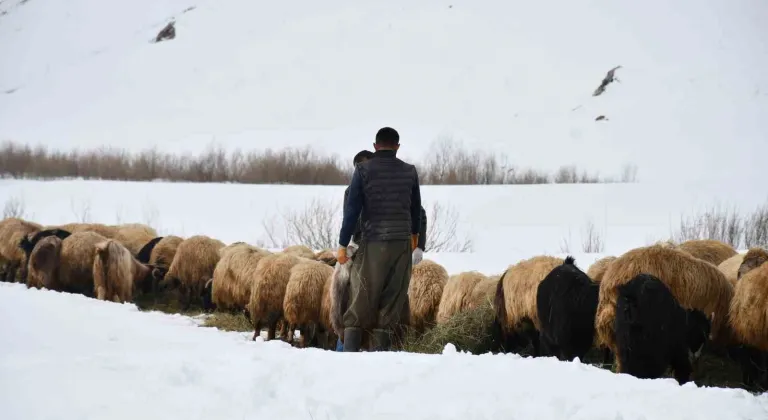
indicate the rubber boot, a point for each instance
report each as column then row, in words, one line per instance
column 352, row 338
column 382, row 341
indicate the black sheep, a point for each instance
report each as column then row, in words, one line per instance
column 653, row 331
column 566, row 301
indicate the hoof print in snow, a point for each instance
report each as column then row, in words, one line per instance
column 10, row 91
column 601, row 118
column 609, row 77
column 169, row 32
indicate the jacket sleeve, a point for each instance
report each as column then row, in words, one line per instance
column 423, row 230
column 415, row 205
column 352, row 208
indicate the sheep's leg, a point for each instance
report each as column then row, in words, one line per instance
column 101, row 293
column 681, row 365
column 257, row 330
column 271, row 330
column 186, row 298
column 11, row 274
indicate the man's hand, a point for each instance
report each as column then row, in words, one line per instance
column 414, row 241
column 341, row 255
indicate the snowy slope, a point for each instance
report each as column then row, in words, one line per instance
column 506, row 223
column 67, row 356
column 512, row 76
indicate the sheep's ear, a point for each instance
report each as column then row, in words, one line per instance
column 157, row 272
column 26, row 245
column 62, row 234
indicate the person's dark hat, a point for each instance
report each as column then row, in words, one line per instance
column 387, row 136
column 363, row 154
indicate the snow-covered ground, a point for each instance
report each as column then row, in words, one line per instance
column 68, row 356
column 505, row 223
column 508, row 76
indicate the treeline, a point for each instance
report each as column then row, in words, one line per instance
column 449, row 164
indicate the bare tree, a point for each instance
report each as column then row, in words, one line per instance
column 443, row 232
column 592, row 242
column 716, row 223
column 81, row 211
column 14, row 207
column 756, row 228
column 317, row 226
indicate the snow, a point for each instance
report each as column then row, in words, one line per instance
column 64, row 355
column 505, row 76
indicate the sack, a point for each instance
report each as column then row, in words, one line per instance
column 417, row 255
column 352, row 249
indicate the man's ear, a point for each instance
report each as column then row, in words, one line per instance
column 397, row 147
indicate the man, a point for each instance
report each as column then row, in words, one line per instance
column 361, row 156
column 385, row 191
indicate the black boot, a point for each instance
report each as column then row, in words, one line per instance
column 352, row 338
column 382, row 341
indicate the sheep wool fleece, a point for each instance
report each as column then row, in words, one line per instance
column 378, row 289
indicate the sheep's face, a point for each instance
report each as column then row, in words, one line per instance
column 699, row 328
column 207, row 296
column 168, row 283
column 751, row 261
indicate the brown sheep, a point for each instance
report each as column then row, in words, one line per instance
column 116, row 272
column 300, row 251
column 748, row 320
column 754, row 258
column 134, row 236
column 598, row 268
column 109, row 232
column 12, row 231
column 730, row 267
column 708, row 250
column 234, row 275
column 483, row 292
column 193, row 264
column 43, row 261
column 456, row 294
column 73, row 272
column 326, row 256
column 695, row 283
column 302, row 304
column 425, row 291
column 515, row 301
column 159, row 251
column 265, row 305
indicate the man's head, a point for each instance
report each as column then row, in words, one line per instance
column 387, row 139
column 362, row 156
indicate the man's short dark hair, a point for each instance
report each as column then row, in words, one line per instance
column 363, row 154
column 387, row 136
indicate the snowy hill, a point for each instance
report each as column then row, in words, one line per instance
column 509, row 76
column 93, row 359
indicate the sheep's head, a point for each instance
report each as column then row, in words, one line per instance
column 207, row 296
column 754, row 258
column 168, row 283
column 699, row 328
column 151, row 276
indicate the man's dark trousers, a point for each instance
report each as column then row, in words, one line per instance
column 378, row 290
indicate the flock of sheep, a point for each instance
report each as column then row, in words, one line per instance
column 651, row 308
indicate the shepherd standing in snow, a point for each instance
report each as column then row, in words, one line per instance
column 385, row 192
